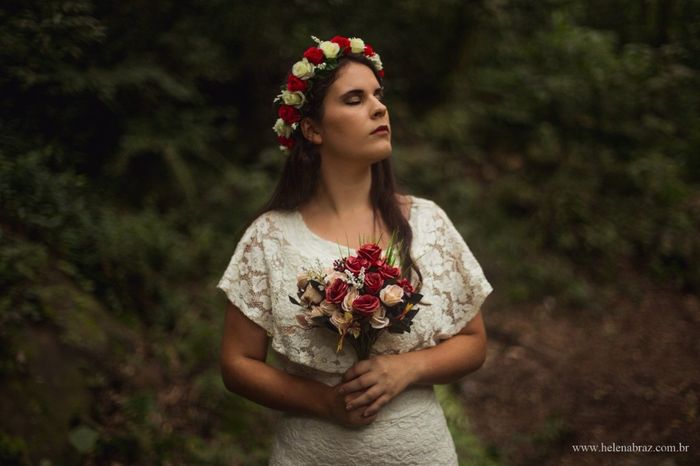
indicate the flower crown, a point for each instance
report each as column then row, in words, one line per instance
column 316, row 61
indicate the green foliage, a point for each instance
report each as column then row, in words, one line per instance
column 83, row 438
column 587, row 145
column 135, row 143
column 13, row 451
column 469, row 449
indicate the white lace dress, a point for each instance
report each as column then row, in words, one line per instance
column 411, row 429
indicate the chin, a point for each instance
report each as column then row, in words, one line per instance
column 383, row 153
column 386, row 154
column 369, row 155
column 378, row 157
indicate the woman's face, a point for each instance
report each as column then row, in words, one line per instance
column 355, row 121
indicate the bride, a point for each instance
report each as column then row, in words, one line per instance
column 337, row 185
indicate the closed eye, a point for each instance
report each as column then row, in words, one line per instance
column 355, row 97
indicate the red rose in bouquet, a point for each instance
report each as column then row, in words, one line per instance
column 370, row 252
column 373, row 282
column 358, row 297
column 406, row 285
column 388, row 271
column 355, row 263
column 337, row 291
column 366, row 304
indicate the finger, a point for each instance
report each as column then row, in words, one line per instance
column 351, row 396
column 359, row 368
column 358, row 416
column 355, row 400
column 359, row 383
column 377, row 405
column 350, row 374
column 366, row 398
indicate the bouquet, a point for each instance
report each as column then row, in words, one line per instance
column 358, row 298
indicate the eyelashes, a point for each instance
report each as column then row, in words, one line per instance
column 356, row 101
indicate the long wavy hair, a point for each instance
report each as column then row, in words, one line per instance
column 299, row 178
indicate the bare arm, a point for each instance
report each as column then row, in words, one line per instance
column 244, row 371
column 452, row 359
column 379, row 379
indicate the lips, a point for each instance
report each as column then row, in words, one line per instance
column 380, row 128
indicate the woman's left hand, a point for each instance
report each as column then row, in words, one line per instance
column 380, row 378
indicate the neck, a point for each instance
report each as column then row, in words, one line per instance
column 344, row 188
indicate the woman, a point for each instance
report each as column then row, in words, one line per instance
column 337, row 185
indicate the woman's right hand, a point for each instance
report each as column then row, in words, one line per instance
column 337, row 409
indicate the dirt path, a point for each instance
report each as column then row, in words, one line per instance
column 556, row 378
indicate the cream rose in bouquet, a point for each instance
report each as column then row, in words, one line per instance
column 358, row 298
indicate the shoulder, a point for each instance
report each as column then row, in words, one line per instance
column 262, row 221
column 267, row 225
column 425, row 208
column 263, row 238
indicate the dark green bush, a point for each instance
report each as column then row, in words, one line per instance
column 135, row 142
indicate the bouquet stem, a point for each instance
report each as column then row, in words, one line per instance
column 364, row 342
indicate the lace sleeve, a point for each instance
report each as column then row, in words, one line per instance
column 246, row 279
column 461, row 281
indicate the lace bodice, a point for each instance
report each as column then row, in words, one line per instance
column 278, row 245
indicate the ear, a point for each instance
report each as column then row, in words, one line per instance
column 310, row 131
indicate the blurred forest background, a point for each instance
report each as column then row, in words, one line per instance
column 561, row 136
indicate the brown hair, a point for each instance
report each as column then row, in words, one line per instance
column 299, row 179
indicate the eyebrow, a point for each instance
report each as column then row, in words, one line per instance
column 354, row 92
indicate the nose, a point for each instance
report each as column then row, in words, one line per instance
column 379, row 109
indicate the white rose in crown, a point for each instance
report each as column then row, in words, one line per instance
column 295, row 98
column 357, row 45
column 329, row 49
column 391, row 295
column 283, row 129
column 303, row 69
column 377, row 61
